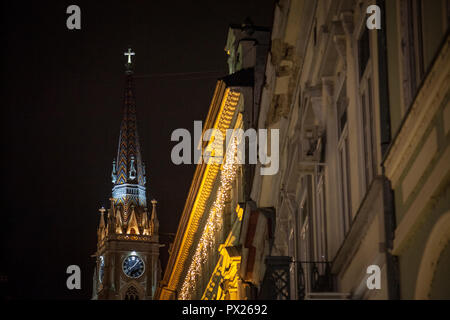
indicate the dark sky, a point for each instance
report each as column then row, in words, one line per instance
column 62, row 97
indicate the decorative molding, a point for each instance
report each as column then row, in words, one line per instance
column 419, row 117
column 420, row 164
column 415, row 215
column 219, row 116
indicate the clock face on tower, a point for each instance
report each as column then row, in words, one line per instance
column 133, row 266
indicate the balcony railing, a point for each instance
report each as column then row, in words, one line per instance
column 313, row 277
column 276, row 283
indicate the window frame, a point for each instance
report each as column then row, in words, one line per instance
column 320, row 219
column 366, row 101
column 344, row 181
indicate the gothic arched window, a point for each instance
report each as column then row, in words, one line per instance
column 131, row 294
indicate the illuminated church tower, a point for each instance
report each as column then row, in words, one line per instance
column 127, row 254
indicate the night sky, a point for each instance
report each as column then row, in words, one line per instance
column 62, row 98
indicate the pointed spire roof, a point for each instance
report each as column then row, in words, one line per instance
column 128, row 174
column 118, row 221
column 145, row 224
column 133, row 225
column 129, row 151
column 144, row 220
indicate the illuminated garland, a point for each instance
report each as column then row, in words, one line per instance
column 213, row 224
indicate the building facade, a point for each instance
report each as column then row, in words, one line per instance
column 207, row 257
column 359, row 208
column 334, row 207
column 127, row 256
column 355, row 108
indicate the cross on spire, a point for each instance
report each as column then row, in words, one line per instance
column 129, row 54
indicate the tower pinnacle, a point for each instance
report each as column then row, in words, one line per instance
column 154, row 218
column 129, row 64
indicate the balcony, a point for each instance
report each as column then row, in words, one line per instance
column 312, row 280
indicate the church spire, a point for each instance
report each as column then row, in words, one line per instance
column 128, row 175
column 126, row 229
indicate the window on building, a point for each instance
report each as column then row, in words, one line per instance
column 320, row 225
column 415, row 42
column 306, row 246
column 370, row 163
column 315, row 32
column 424, row 25
column 343, row 162
column 367, row 108
column 293, row 267
column 363, row 52
column 131, row 294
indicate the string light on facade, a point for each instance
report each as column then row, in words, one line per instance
column 213, row 223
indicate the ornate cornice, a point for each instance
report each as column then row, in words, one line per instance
column 219, row 117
